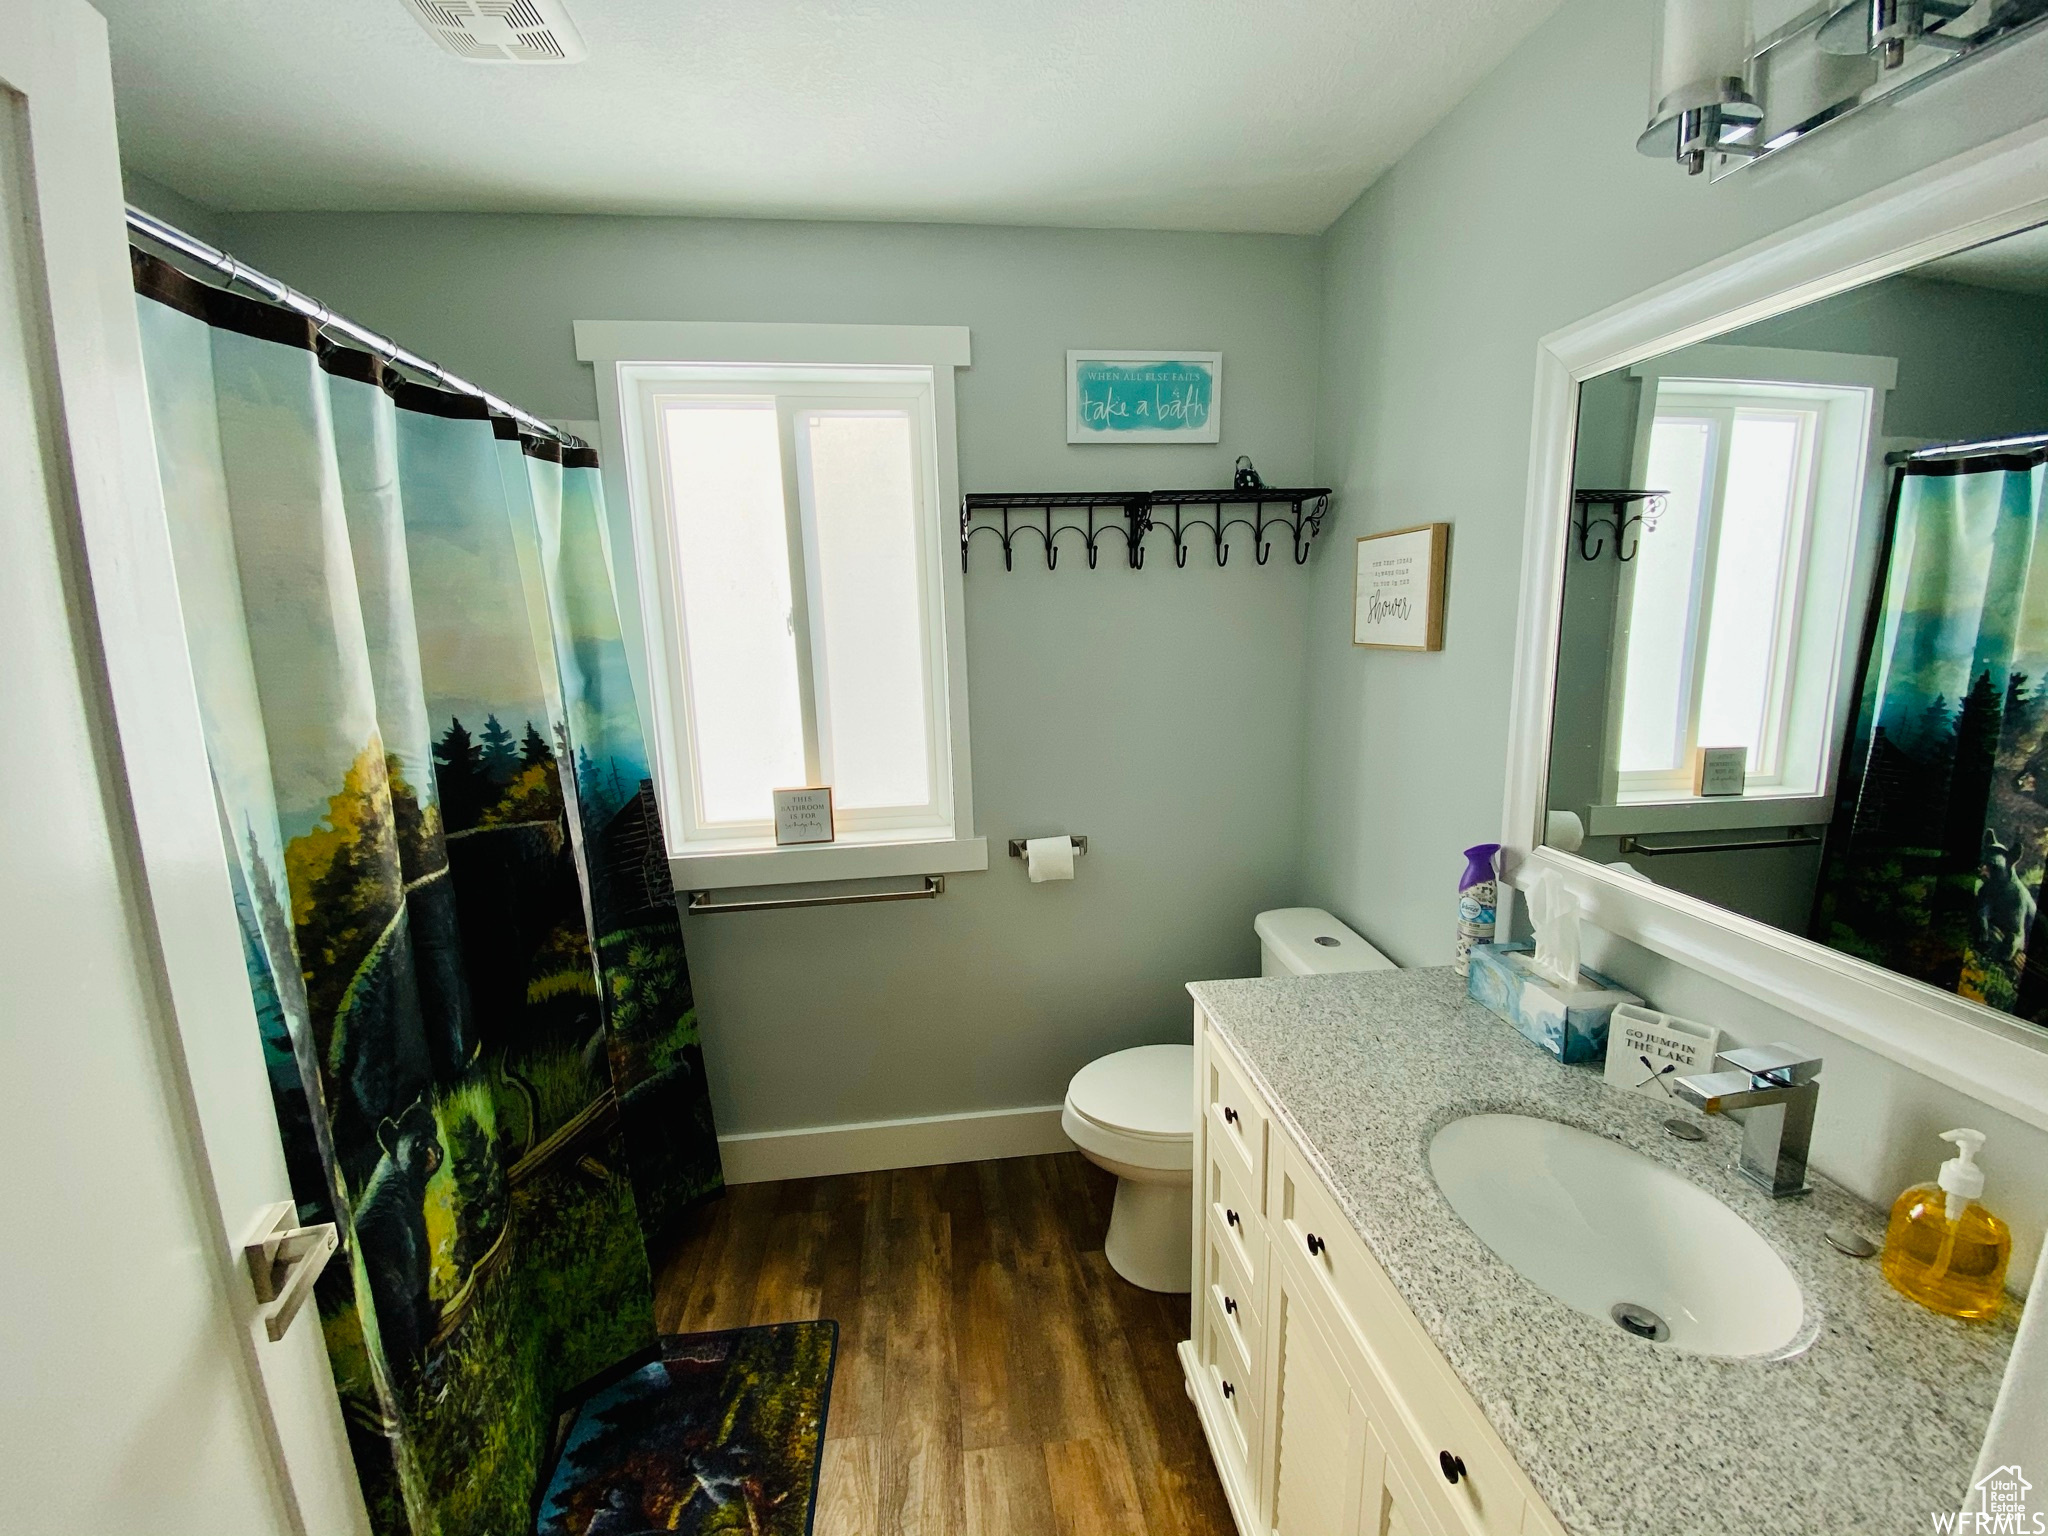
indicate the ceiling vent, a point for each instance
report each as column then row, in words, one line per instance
column 501, row 31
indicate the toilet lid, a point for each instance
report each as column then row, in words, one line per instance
column 1147, row 1091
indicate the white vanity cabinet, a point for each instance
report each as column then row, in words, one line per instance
column 1327, row 1408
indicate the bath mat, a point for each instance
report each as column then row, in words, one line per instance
column 707, row 1432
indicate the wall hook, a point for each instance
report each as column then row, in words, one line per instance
column 1050, row 514
column 1618, row 520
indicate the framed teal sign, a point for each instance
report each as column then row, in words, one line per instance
column 1144, row 397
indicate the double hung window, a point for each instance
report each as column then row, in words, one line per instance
column 1732, row 616
column 803, row 617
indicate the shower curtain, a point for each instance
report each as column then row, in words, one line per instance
column 1937, row 854
column 434, row 801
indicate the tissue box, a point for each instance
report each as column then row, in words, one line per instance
column 1571, row 1025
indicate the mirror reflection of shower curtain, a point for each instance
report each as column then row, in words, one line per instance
column 1937, row 853
column 466, row 959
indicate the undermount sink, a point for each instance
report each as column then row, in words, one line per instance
column 1617, row 1236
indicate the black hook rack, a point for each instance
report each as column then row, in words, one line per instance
column 1593, row 531
column 1130, row 515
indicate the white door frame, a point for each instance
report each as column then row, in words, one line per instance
column 1979, row 196
column 101, row 461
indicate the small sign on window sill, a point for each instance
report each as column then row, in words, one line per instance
column 1718, row 771
column 803, row 815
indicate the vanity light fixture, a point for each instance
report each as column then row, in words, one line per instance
column 1698, row 100
column 1885, row 27
column 1722, row 96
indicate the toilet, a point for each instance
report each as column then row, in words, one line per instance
column 1133, row 1112
column 1307, row 941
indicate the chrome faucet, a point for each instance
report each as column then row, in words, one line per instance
column 1778, row 1088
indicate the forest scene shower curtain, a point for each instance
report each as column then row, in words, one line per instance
column 1939, row 847
column 434, row 799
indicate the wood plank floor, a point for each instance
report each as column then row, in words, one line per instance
column 995, row 1376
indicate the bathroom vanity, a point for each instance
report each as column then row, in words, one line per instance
column 1363, row 1363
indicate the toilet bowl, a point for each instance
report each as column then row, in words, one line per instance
column 1133, row 1113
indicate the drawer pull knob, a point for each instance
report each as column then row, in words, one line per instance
column 1454, row 1466
column 1229, row 1390
column 1230, row 1216
column 1315, row 1245
column 1230, row 1305
column 1229, row 1115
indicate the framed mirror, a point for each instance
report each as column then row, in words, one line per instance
column 1781, row 708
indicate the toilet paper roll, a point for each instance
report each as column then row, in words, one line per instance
column 1564, row 831
column 1049, row 858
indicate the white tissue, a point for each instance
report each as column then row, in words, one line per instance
column 1554, row 913
column 1049, row 858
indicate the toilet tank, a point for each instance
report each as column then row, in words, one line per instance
column 1307, row 941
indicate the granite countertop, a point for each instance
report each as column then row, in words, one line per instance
column 1869, row 1424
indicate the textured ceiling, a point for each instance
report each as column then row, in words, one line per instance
column 1129, row 113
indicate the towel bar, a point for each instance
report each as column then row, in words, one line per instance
column 1652, row 850
column 701, row 902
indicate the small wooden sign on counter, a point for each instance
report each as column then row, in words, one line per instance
column 1647, row 1049
column 1398, row 604
column 803, row 815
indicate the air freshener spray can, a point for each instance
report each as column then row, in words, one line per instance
column 1478, row 889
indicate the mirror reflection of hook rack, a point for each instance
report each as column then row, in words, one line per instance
column 1593, row 532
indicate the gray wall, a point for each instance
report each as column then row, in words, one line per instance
column 172, row 207
column 1158, row 712
column 1525, row 210
column 1973, row 362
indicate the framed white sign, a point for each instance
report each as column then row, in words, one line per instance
column 1144, row 397
column 1720, row 770
column 803, row 816
column 1398, row 602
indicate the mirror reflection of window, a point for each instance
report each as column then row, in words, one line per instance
column 1715, row 640
column 1722, row 639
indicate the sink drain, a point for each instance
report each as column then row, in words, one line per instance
column 1640, row 1321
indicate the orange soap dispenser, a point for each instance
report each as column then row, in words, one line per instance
column 1943, row 1249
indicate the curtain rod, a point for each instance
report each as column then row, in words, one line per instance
column 1968, row 450
column 285, row 296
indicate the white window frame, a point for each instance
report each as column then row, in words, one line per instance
column 639, row 364
column 1847, row 477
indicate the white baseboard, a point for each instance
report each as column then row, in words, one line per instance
column 758, row 1157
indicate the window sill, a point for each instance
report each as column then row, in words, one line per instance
column 1693, row 813
column 828, row 861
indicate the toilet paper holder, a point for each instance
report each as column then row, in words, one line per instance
column 1017, row 846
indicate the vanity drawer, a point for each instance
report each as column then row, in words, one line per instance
column 1235, row 1114
column 1235, row 1221
column 1235, row 1388
column 1228, row 1298
column 1425, row 1403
